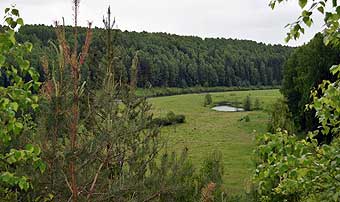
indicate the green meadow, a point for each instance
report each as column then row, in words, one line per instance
column 206, row 130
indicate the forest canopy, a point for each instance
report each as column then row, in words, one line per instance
column 168, row 60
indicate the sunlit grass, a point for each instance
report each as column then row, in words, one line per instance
column 206, row 130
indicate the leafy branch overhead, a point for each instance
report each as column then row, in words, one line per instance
column 17, row 99
column 330, row 10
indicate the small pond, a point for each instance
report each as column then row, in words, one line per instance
column 226, row 108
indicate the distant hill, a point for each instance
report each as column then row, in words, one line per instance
column 172, row 60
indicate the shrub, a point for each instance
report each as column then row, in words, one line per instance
column 207, row 100
column 211, row 173
column 280, row 117
column 247, row 103
column 170, row 119
column 247, row 118
column 293, row 169
column 175, row 179
column 289, row 169
column 171, row 116
column 160, row 122
column 180, row 118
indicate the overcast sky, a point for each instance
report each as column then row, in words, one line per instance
column 241, row 19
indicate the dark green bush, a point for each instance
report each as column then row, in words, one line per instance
column 247, row 105
column 180, row 118
column 247, row 118
column 170, row 119
column 207, row 100
column 281, row 117
column 171, row 116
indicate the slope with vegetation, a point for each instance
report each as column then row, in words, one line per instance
column 168, row 60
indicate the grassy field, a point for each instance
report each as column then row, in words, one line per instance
column 207, row 130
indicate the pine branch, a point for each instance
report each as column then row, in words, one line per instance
column 95, row 180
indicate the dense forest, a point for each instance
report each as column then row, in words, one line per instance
column 304, row 70
column 167, row 60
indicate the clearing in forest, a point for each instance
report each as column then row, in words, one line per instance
column 206, row 130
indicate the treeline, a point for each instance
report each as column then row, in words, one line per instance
column 161, row 91
column 167, row 60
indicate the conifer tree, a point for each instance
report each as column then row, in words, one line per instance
column 110, row 71
column 63, row 147
column 75, row 61
column 116, row 151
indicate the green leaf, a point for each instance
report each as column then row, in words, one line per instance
column 36, row 85
column 18, row 154
column 36, row 150
column 11, row 36
column 302, row 30
column 19, row 125
column 6, row 10
column 35, row 98
column 11, row 159
column 335, row 3
column 35, row 106
column 326, row 40
column 302, row 3
column 15, row 12
column 14, row 24
column 24, row 64
column 29, row 46
column 20, row 21
column 33, row 74
column 335, row 69
column 9, row 20
column 306, row 13
column 29, row 147
column 50, row 196
column 321, row 10
column 308, row 21
column 42, row 167
column 14, row 106
column 23, row 184
column 336, row 196
column 2, row 60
